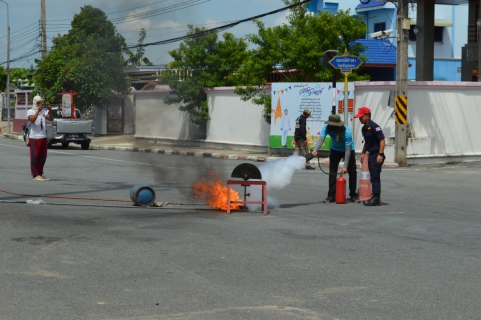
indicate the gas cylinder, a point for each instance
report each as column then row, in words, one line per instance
column 364, row 191
column 341, row 190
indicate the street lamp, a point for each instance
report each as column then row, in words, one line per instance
column 8, row 68
column 331, row 54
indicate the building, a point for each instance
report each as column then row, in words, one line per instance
column 448, row 30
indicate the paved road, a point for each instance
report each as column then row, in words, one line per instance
column 415, row 257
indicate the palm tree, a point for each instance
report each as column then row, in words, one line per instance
column 137, row 59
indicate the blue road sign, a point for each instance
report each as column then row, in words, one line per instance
column 345, row 63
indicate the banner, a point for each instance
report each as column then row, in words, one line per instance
column 67, row 105
column 289, row 100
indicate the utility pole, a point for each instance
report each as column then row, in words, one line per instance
column 44, row 30
column 401, row 107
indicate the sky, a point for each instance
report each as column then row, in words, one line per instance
column 24, row 18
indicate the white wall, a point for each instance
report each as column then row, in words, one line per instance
column 155, row 119
column 100, row 121
column 444, row 117
column 234, row 121
column 129, row 113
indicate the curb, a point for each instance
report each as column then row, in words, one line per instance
column 186, row 153
column 197, row 154
column 215, row 155
column 12, row 136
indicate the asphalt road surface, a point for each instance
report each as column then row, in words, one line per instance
column 415, row 257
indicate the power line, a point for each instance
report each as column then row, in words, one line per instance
column 218, row 29
column 180, row 6
column 153, row 13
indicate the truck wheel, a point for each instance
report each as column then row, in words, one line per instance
column 85, row 145
column 65, row 144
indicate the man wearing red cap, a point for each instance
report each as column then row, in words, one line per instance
column 374, row 143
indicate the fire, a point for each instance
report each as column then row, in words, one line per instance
column 215, row 194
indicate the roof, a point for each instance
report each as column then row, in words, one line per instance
column 379, row 53
column 372, row 5
column 448, row 2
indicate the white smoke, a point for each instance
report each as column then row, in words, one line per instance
column 277, row 175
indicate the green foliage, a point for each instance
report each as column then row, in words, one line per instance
column 201, row 61
column 296, row 46
column 15, row 74
column 86, row 60
column 137, row 58
column 3, row 78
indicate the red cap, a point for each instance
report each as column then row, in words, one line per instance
column 362, row 111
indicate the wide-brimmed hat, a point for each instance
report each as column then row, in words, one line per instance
column 308, row 112
column 334, row 120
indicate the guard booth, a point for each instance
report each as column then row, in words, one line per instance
column 22, row 105
column 4, row 108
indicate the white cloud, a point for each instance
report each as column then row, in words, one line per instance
column 132, row 22
column 282, row 19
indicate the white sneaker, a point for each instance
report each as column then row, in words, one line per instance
column 38, row 178
column 44, row 178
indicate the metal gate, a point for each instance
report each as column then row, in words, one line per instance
column 115, row 115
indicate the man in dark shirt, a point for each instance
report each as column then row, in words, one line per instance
column 374, row 143
column 300, row 136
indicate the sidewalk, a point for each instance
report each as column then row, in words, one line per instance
column 128, row 143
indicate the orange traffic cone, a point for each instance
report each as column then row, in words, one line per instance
column 365, row 191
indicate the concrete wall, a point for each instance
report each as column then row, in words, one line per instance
column 444, row 118
column 155, row 119
column 129, row 113
column 234, row 121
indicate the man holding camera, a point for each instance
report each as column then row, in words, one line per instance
column 37, row 136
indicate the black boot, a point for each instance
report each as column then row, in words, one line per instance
column 374, row 201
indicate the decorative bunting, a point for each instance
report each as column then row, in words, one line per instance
column 282, row 91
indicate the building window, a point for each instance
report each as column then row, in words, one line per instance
column 438, row 34
column 379, row 26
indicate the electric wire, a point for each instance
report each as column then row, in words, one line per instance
column 78, row 198
column 221, row 28
column 20, row 37
column 161, row 11
column 62, row 197
column 186, row 4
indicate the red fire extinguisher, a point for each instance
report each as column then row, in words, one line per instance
column 341, row 190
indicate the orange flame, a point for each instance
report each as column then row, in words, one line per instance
column 215, row 194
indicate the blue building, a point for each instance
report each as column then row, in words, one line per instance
column 449, row 35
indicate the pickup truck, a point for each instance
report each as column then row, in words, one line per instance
column 65, row 130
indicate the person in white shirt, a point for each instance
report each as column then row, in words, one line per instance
column 285, row 128
column 37, row 136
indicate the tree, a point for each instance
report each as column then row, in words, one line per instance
column 201, row 61
column 3, row 79
column 86, row 60
column 15, row 74
column 296, row 46
column 137, row 58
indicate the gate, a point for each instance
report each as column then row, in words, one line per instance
column 115, row 115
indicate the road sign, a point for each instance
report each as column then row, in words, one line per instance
column 345, row 63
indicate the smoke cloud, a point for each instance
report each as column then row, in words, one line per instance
column 277, row 175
